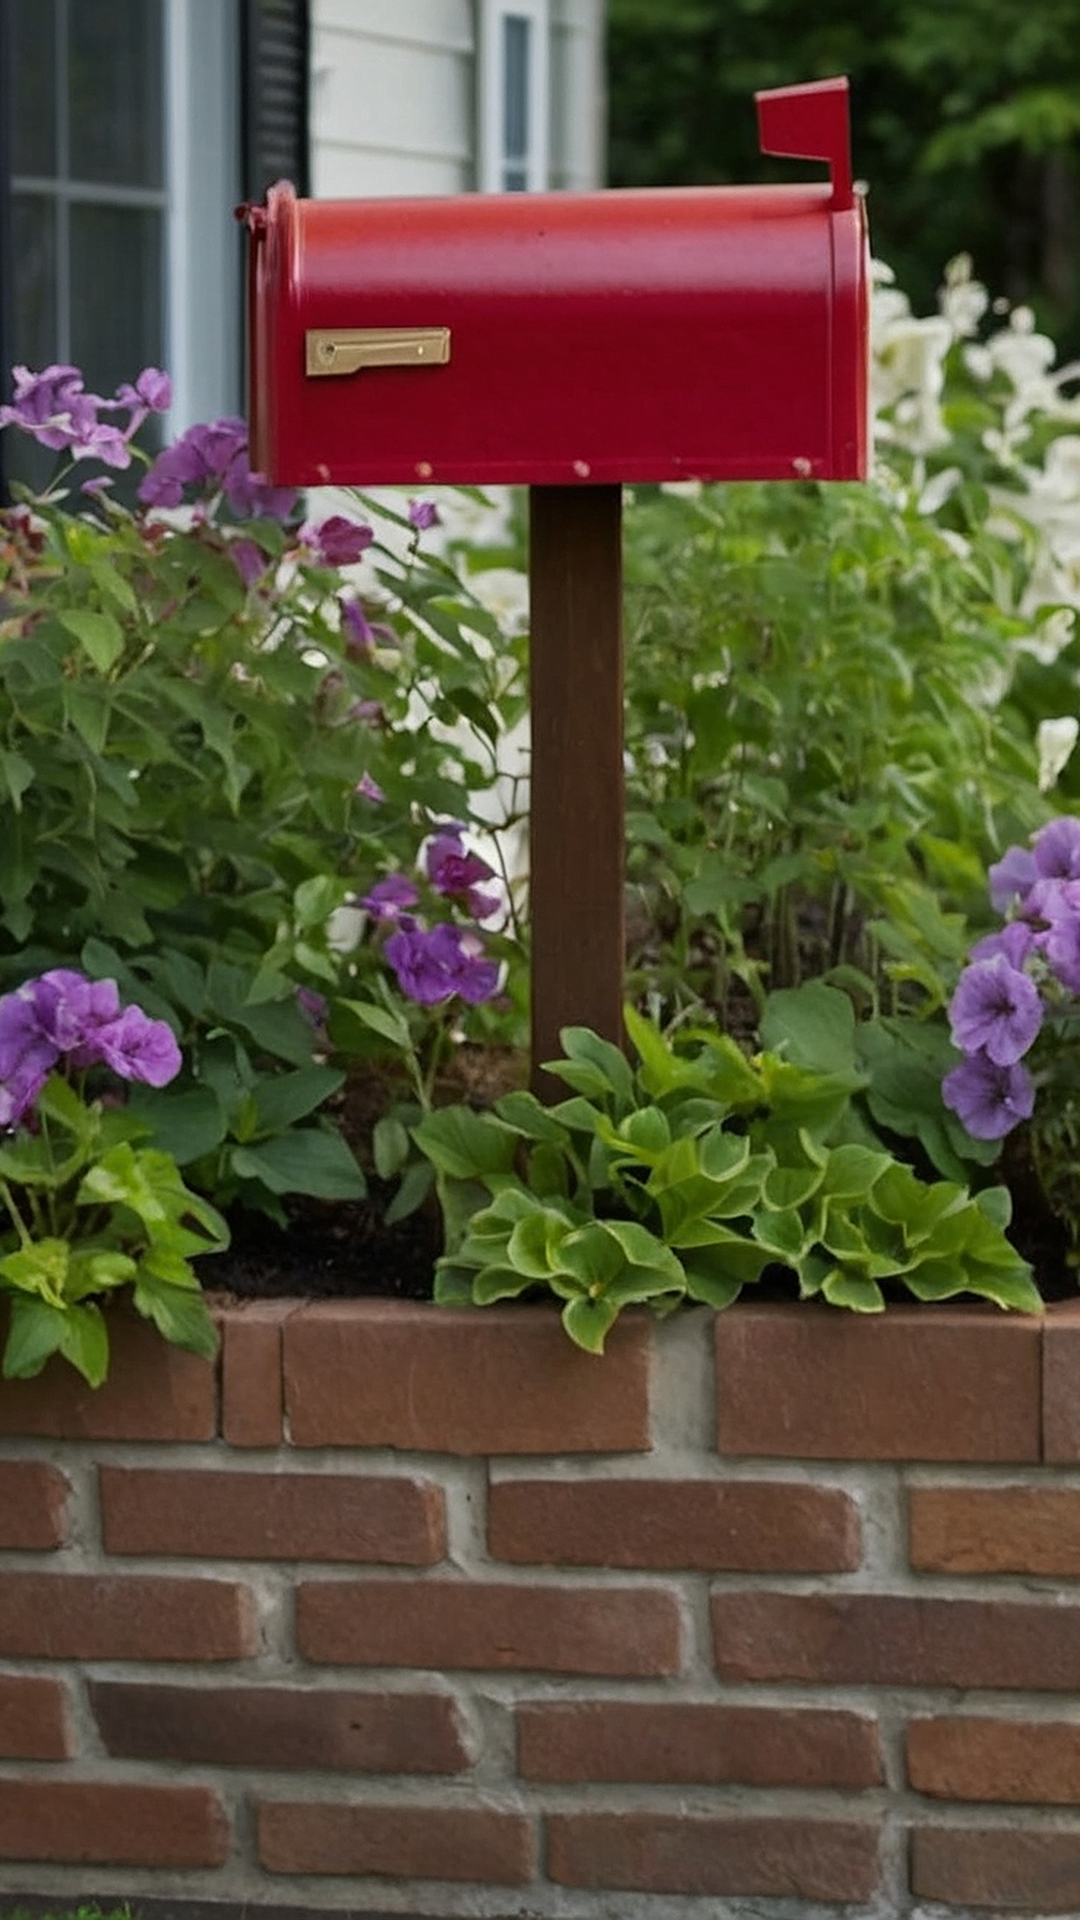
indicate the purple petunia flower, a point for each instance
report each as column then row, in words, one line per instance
column 369, row 789
column 70, row 1008
column 423, row 514
column 995, row 1010
column 152, row 392
column 1061, row 947
column 1011, row 876
column 455, row 873
column 1056, row 850
column 249, row 560
column 54, row 408
column 1016, row 941
column 390, row 897
column 315, row 1007
column 361, row 634
column 137, row 1048
column 212, row 458
column 990, row 1099
column 432, row 965
column 337, row 542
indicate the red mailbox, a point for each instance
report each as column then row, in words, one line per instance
column 714, row 333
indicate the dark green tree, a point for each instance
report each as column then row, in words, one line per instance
column 965, row 113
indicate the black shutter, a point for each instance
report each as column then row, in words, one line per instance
column 7, row 313
column 276, row 39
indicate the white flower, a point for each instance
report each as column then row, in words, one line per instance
column 962, row 300
column 504, row 593
column 1055, row 740
column 1050, row 638
column 938, row 489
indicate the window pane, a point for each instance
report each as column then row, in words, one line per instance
column 116, row 293
column 515, row 87
column 33, row 97
column 114, row 91
column 33, row 220
column 34, row 238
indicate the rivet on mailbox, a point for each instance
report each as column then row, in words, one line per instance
column 571, row 342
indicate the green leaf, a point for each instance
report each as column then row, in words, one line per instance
column 186, row 1125
column 813, row 1025
column 389, row 1026
column 179, row 1316
column 18, row 774
column 588, row 1322
column 498, row 1283
column 35, row 1331
column 582, row 1044
column 40, row 1269
column 86, row 1342
column 464, row 1144
column 416, row 1184
column 99, row 635
column 856, row 1291
column 283, row 1098
column 591, row 1255
column 303, row 1160
column 389, row 1146
column 525, row 1112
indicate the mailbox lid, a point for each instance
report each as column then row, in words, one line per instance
column 662, row 334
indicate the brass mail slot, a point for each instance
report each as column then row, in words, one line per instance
column 332, row 350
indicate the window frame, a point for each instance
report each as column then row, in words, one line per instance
column 492, row 158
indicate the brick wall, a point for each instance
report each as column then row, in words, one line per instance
column 422, row 1612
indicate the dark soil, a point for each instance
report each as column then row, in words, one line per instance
column 329, row 1250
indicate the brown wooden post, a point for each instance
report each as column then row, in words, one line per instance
column 576, row 807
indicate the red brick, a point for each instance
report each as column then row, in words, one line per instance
column 891, row 1640
column 978, row 1757
column 272, row 1516
column 687, row 1744
column 385, row 1373
column 407, row 1843
column 995, row 1529
column 252, row 1402
column 714, row 1854
column 86, row 1616
column 738, row 1525
column 33, row 1504
column 115, row 1824
column 33, row 1718
column 154, row 1391
column 1061, row 1382
column 1033, row 1869
column 919, row 1383
column 323, row 1728
column 461, row 1623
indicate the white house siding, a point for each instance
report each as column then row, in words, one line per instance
column 391, row 97
column 578, row 99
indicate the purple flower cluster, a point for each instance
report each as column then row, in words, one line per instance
column 55, row 409
column 337, row 542
column 434, row 963
column 457, row 874
column 211, row 459
column 998, row 1008
column 64, row 1016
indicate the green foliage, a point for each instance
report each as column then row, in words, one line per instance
column 91, row 1211
column 815, row 762
column 964, row 121
column 689, row 1177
